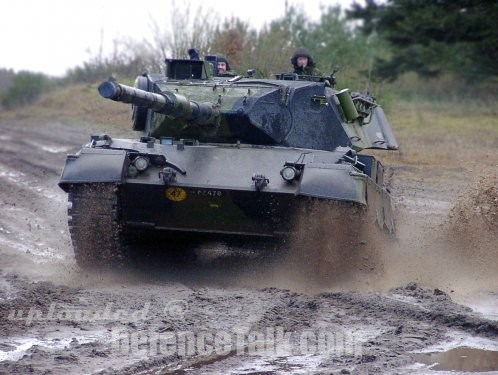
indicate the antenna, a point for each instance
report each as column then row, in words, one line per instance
column 370, row 39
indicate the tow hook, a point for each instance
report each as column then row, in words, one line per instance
column 260, row 181
column 168, row 175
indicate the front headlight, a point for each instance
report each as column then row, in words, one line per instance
column 141, row 163
column 288, row 173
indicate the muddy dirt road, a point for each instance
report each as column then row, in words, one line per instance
column 433, row 288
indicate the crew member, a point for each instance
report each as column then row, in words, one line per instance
column 303, row 63
column 223, row 65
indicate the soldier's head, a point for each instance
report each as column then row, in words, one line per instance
column 301, row 59
column 222, row 67
column 222, row 64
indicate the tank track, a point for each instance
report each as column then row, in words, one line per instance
column 99, row 240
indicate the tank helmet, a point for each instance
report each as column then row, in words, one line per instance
column 222, row 58
column 194, row 54
column 302, row 52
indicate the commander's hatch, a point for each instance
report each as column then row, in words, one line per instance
column 188, row 69
column 365, row 122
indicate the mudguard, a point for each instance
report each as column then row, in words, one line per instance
column 94, row 166
column 333, row 181
column 380, row 205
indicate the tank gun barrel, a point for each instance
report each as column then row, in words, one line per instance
column 168, row 103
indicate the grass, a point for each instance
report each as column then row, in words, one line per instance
column 441, row 121
column 77, row 105
column 444, row 133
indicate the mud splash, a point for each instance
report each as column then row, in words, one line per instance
column 455, row 252
column 476, row 212
column 336, row 245
column 473, row 223
column 472, row 232
column 340, row 249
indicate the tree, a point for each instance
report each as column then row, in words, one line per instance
column 6, row 77
column 434, row 36
column 172, row 38
column 269, row 50
column 232, row 38
column 128, row 58
column 334, row 41
column 183, row 31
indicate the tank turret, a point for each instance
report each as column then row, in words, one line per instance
column 289, row 113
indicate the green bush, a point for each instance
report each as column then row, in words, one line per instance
column 26, row 87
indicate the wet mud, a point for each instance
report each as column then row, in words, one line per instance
column 339, row 298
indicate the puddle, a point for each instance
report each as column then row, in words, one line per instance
column 55, row 149
column 460, row 359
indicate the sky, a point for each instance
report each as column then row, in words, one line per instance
column 52, row 36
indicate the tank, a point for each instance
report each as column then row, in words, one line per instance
column 228, row 156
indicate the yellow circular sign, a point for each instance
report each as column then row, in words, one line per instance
column 176, row 194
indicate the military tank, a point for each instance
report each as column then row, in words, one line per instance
column 224, row 155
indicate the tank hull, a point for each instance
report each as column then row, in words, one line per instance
column 218, row 193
